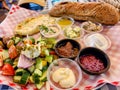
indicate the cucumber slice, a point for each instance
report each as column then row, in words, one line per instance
column 16, row 79
column 38, row 63
column 19, row 72
column 44, row 52
column 40, row 85
column 38, row 72
column 44, row 69
column 31, row 69
column 36, row 78
column 25, row 78
column 49, row 58
column 51, row 41
column 31, row 79
column 8, row 61
column 17, row 40
column 43, row 78
column 42, row 42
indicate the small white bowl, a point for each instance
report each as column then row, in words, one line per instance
column 90, row 27
column 64, row 63
column 73, row 32
column 62, row 23
column 51, row 34
column 97, row 40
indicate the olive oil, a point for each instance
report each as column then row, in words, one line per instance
column 64, row 22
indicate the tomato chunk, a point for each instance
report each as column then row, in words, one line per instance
column 52, row 53
column 7, row 69
column 12, row 52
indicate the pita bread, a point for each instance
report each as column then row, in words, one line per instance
column 30, row 26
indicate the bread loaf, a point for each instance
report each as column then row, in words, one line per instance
column 94, row 11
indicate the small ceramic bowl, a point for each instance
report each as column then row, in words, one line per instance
column 97, row 40
column 93, row 61
column 51, row 31
column 90, row 27
column 65, row 21
column 67, row 48
column 59, row 81
column 73, row 32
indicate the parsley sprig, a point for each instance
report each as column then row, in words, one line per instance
column 43, row 27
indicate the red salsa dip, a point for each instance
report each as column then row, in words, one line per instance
column 91, row 63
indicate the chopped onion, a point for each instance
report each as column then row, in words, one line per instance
column 25, row 62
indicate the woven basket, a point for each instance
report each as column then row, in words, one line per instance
column 115, row 3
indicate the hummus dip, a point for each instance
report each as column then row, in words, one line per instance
column 65, row 77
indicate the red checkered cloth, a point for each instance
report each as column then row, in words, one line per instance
column 17, row 14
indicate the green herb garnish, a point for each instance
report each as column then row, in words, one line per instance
column 52, row 31
column 42, row 27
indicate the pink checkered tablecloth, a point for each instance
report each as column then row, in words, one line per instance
column 17, row 14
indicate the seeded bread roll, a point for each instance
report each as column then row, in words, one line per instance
column 94, row 11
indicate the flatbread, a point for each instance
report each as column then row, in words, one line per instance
column 30, row 26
